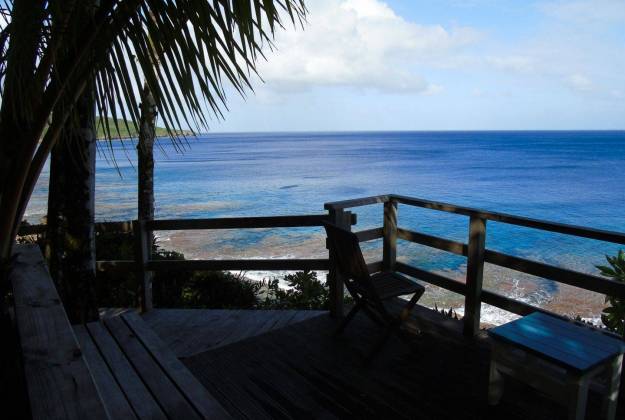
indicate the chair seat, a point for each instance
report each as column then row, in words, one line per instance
column 389, row 284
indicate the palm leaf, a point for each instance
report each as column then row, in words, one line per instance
column 199, row 46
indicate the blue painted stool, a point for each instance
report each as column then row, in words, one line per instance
column 559, row 358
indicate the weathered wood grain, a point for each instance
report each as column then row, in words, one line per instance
column 389, row 246
column 203, row 402
column 113, row 397
column 358, row 202
column 59, row 383
column 190, row 331
column 336, row 283
column 306, row 372
column 585, row 232
column 134, row 389
column 454, row 247
column 238, row 222
column 559, row 274
column 100, row 227
column 370, row 234
column 475, row 275
column 172, row 401
column 243, row 264
column 143, row 243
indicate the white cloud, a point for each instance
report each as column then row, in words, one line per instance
column 517, row 63
column 361, row 44
column 580, row 83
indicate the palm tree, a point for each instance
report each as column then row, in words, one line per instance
column 199, row 45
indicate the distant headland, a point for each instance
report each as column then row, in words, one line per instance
column 124, row 129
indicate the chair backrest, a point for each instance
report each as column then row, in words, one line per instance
column 351, row 264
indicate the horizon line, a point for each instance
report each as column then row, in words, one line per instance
column 586, row 130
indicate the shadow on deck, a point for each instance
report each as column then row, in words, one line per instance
column 298, row 369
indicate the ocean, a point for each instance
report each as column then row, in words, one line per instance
column 568, row 177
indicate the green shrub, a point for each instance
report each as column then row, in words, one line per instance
column 613, row 316
column 448, row 313
column 188, row 289
column 305, row 292
column 220, row 290
column 116, row 289
column 170, row 288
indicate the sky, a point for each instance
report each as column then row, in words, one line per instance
column 441, row 65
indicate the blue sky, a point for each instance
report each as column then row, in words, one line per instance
column 442, row 65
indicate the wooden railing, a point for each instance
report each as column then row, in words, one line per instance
column 338, row 213
column 477, row 254
column 143, row 264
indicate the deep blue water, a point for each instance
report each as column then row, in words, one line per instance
column 569, row 177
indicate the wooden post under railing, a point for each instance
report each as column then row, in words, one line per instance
column 335, row 281
column 475, row 274
column 389, row 246
column 142, row 255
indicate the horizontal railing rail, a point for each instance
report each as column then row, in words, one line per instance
column 240, row 264
column 100, row 227
column 309, row 220
column 580, row 231
column 218, row 265
column 238, row 222
column 143, row 264
column 474, row 250
column 566, row 229
column 478, row 255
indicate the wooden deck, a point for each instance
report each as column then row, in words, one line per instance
column 264, row 368
column 191, row 331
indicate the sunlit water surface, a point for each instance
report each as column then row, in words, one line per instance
column 569, row 177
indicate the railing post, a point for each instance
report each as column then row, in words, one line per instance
column 335, row 281
column 475, row 274
column 142, row 255
column 389, row 246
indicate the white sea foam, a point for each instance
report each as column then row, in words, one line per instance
column 264, row 276
column 517, row 286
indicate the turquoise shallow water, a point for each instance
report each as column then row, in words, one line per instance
column 569, row 177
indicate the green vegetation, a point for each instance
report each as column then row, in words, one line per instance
column 120, row 128
column 60, row 58
column 305, row 292
column 448, row 313
column 197, row 289
column 201, row 289
column 613, row 316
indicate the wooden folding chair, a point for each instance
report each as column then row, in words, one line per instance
column 370, row 291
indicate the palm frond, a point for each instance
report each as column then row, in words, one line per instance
column 185, row 51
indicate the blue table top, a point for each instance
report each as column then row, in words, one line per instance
column 562, row 342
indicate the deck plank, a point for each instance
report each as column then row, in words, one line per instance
column 302, row 371
column 174, row 404
column 59, row 383
column 203, row 402
column 191, row 331
column 137, row 394
column 113, row 397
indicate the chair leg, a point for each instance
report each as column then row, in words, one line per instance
column 405, row 313
column 347, row 319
